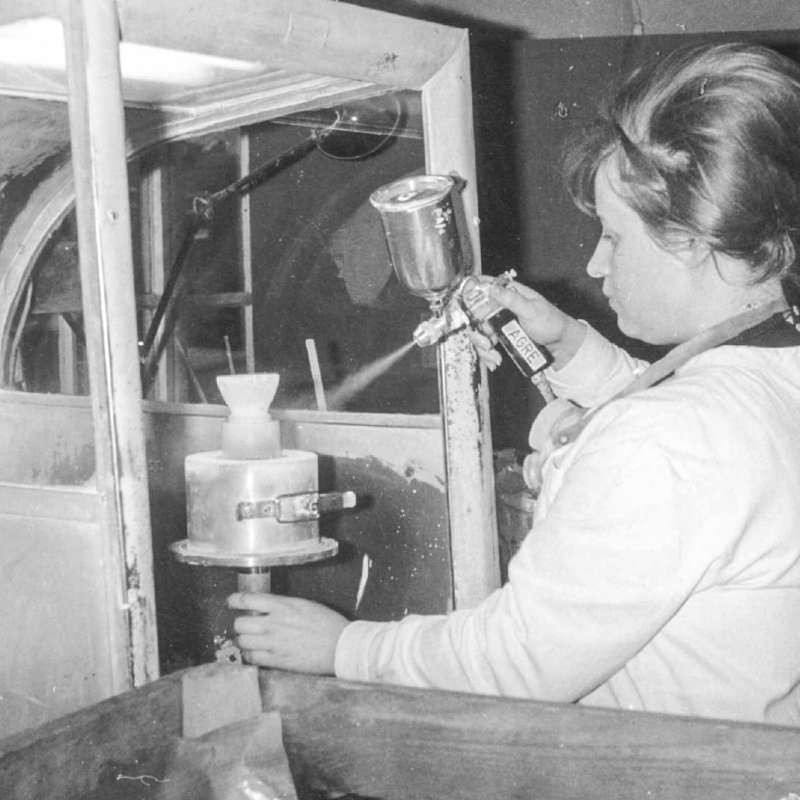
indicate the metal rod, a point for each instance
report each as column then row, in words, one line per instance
column 205, row 205
column 255, row 580
column 166, row 298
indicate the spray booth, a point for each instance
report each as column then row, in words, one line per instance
column 192, row 276
column 207, row 214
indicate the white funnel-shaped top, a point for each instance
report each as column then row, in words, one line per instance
column 249, row 397
column 250, row 431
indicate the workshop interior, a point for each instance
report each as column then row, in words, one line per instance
column 241, row 245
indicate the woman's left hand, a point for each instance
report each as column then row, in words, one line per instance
column 287, row 632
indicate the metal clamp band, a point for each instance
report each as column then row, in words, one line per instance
column 295, row 507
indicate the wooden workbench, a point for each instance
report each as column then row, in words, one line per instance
column 391, row 742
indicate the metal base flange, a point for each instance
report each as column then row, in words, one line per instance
column 189, row 553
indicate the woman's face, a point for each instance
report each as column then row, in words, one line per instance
column 654, row 292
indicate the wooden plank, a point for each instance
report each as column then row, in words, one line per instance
column 218, row 300
column 307, row 35
column 16, row 402
column 358, row 418
column 97, row 133
column 398, row 743
column 246, row 253
column 301, row 416
column 66, row 759
column 131, row 747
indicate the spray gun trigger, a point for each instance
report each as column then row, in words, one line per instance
column 505, row 278
column 488, row 331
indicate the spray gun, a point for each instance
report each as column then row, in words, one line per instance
column 419, row 220
column 471, row 304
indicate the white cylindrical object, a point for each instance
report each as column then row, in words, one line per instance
column 251, row 440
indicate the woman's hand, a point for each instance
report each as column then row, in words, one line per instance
column 287, row 632
column 540, row 319
column 548, row 326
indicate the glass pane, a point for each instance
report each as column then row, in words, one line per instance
column 321, row 271
column 298, row 280
column 40, row 315
column 190, row 286
column 50, row 355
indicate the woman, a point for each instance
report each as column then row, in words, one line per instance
column 662, row 572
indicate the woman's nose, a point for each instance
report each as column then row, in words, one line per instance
column 598, row 266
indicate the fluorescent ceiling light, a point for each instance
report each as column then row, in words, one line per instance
column 148, row 73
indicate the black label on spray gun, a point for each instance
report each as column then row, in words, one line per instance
column 525, row 353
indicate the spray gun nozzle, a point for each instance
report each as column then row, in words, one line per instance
column 432, row 330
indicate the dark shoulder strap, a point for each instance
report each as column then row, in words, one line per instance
column 678, row 356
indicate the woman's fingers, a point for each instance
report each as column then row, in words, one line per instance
column 287, row 632
column 251, row 642
column 259, row 658
column 251, row 624
column 521, row 300
column 254, row 601
column 486, row 351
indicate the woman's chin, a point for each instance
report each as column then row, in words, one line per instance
column 645, row 336
column 630, row 330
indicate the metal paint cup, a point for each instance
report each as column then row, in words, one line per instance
column 419, row 221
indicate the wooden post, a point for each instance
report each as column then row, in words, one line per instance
column 463, row 383
column 246, row 250
column 104, row 236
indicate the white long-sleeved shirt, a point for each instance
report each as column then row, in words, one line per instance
column 662, row 572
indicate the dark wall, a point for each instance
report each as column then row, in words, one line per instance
column 354, row 307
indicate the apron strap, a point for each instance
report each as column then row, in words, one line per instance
column 677, row 357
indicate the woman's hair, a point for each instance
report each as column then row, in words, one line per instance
column 707, row 146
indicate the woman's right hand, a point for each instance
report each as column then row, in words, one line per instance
column 547, row 325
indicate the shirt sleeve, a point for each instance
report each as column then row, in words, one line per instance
column 596, row 372
column 591, row 585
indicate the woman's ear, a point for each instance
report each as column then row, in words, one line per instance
column 694, row 252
